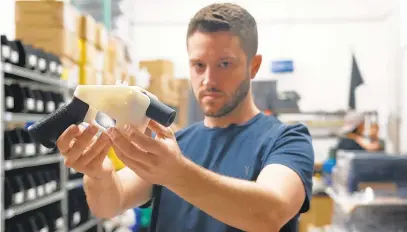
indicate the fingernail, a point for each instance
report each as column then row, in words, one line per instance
column 127, row 129
column 111, row 132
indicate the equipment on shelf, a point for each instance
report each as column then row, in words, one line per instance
column 18, row 53
column 78, row 210
column 357, row 170
column 29, row 184
column 19, row 144
column 25, row 99
column 139, row 107
column 47, row 218
column 35, row 183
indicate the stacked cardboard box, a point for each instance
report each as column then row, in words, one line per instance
column 115, row 65
column 51, row 26
column 88, row 62
column 172, row 91
column 182, row 89
column 162, row 72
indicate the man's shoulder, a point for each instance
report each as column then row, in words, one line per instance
column 191, row 129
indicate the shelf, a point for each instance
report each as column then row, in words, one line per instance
column 32, row 162
column 72, row 184
column 22, row 117
column 25, row 207
column 86, row 226
column 33, row 75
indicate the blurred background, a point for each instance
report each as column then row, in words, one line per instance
column 336, row 66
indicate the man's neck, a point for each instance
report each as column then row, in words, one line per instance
column 243, row 113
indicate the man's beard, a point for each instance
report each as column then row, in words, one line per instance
column 238, row 96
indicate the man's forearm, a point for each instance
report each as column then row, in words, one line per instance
column 242, row 204
column 103, row 196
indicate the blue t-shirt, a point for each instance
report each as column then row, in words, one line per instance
column 240, row 151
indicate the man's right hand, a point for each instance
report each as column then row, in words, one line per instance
column 85, row 152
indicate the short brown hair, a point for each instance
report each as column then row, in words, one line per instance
column 227, row 17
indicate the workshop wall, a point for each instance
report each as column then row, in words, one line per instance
column 316, row 35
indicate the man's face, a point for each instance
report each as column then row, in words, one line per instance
column 219, row 71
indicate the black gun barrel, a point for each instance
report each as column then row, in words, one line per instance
column 160, row 112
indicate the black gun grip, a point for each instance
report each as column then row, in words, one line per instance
column 47, row 130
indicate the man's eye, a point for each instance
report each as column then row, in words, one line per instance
column 199, row 65
column 224, row 64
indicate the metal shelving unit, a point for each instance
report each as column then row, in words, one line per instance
column 86, row 226
column 61, row 196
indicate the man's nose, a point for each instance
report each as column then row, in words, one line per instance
column 209, row 77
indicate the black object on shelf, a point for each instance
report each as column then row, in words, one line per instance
column 17, row 142
column 40, row 180
column 78, row 210
column 8, row 193
column 8, row 99
column 48, row 102
column 43, row 219
column 39, row 102
column 18, row 96
column 43, row 65
column 29, row 100
column 9, row 50
column 29, row 145
column 12, row 146
column 55, row 65
column 19, row 191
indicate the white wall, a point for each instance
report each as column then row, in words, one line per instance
column 403, row 74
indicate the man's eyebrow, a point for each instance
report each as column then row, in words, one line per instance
column 228, row 58
column 193, row 60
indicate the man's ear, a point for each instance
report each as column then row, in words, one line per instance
column 255, row 65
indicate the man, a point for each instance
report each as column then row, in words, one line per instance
column 353, row 136
column 238, row 170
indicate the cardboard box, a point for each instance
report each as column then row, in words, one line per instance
column 58, row 41
column 87, row 53
column 102, row 37
column 49, row 14
column 108, row 79
column 162, row 72
column 87, row 28
column 182, row 87
column 319, row 215
column 89, row 76
column 70, row 71
column 116, row 51
column 98, row 60
column 158, row 67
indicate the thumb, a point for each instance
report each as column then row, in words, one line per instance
column 160, row 130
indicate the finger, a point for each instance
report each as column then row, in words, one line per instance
column 100, row 144
column 147, row 143
column 101, row 156
column 64, row 141
column 120, row 142
column 135, row 155
column 129, row 162
column 160, row 130
column 81, row 143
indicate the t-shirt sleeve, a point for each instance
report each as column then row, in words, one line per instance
column 293, row 148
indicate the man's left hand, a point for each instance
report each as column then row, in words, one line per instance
column 158, row 160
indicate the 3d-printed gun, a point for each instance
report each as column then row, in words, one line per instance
column 125, row 104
